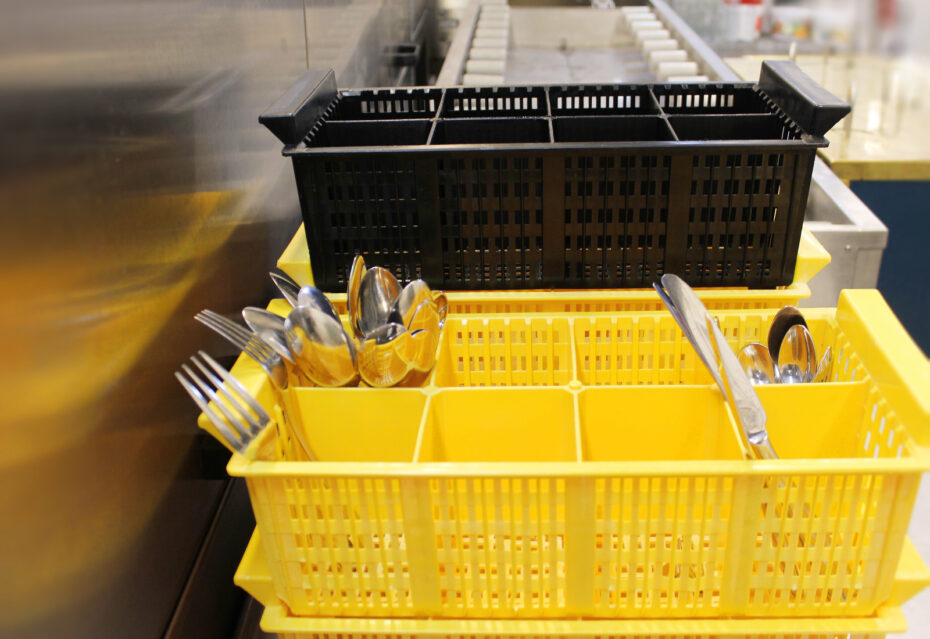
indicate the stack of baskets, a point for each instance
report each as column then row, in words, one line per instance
column 569, row 469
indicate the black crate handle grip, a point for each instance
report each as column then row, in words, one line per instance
column 814, row 108
column 292, row 115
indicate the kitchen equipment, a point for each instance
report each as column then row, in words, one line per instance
column 758, row 364
column 797, row 361
column 270, row 328
column 376, row 295
column 288, row 287
column 356, row 274
column 238, row 418
column 248, row 342
column 321, row 348
column 784, row 320
column 520, row 187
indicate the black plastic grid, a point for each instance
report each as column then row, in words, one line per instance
column 564, row 186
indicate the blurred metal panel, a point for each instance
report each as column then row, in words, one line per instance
column 136, row 189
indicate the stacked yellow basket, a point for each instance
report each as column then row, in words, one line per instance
column 569, row 470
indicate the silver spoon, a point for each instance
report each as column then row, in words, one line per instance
column 758, row 365
column 385, row 357
column 409, row 300
column 796, row 358
column 356, row 274
column 288, row 287
column 321, row 347
column 785, row 318
column 270, row 329
column 312, row 296
column 376, row 295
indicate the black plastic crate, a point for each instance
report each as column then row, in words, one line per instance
column 605, row 186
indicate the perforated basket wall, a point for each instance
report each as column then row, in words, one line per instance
column 582, row 465
column 567, row 187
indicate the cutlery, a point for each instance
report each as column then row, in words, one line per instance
column 356, row 274
column 697, row 325
column 787, row 317
column 237, row 416
column 796, row 358
column 376, row 295
column 288, row 287
column 321, row 348
column 270, row 328
column 312, row 296
column 248, row 342
column 758, row 365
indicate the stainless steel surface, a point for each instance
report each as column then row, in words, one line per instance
column 321, row 348
column 384, row 358
column 757, row 364
column 690, row 313
column 287, row 287
column 248, row 342
column 224, row 400
column 312, row 296
column 356, row 274
column 709, row 62
column 376, row 295
column 851, row 233
column 784, row 319
column 749, row 410
column 407, row 304
column 270, row 328
column 797, row 359
column 136, row 178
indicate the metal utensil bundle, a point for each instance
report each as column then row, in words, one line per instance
column 392, row 338
column 790, row 357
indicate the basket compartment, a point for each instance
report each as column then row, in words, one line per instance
column 491, row 131
column 602, row 100
column 366, row 425
column 732, row 127
column 386, row 104
column 499, row 425
column 610, row 129
column 655, row 424
column 505, row 352
column 370, row 133
column 494, row 102
column 709, row 99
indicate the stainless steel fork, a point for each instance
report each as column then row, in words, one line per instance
column 237, row 415
column 248, row 342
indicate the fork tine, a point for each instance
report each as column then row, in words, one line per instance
column 238, row 335
column 235, row 420
column 221, row 426
column 221, row 330
column 237, row 386
column 236, row 400
column 233, row 326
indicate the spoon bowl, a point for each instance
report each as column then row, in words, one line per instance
column 322, row 350
column 796, row 357
column 376, row 295
column 785, row 318
column 758, row 365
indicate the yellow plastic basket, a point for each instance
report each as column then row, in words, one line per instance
column 812, row 258
column 255, row 578
column 581, row 465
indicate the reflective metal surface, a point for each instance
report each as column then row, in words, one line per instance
column 137, row 188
